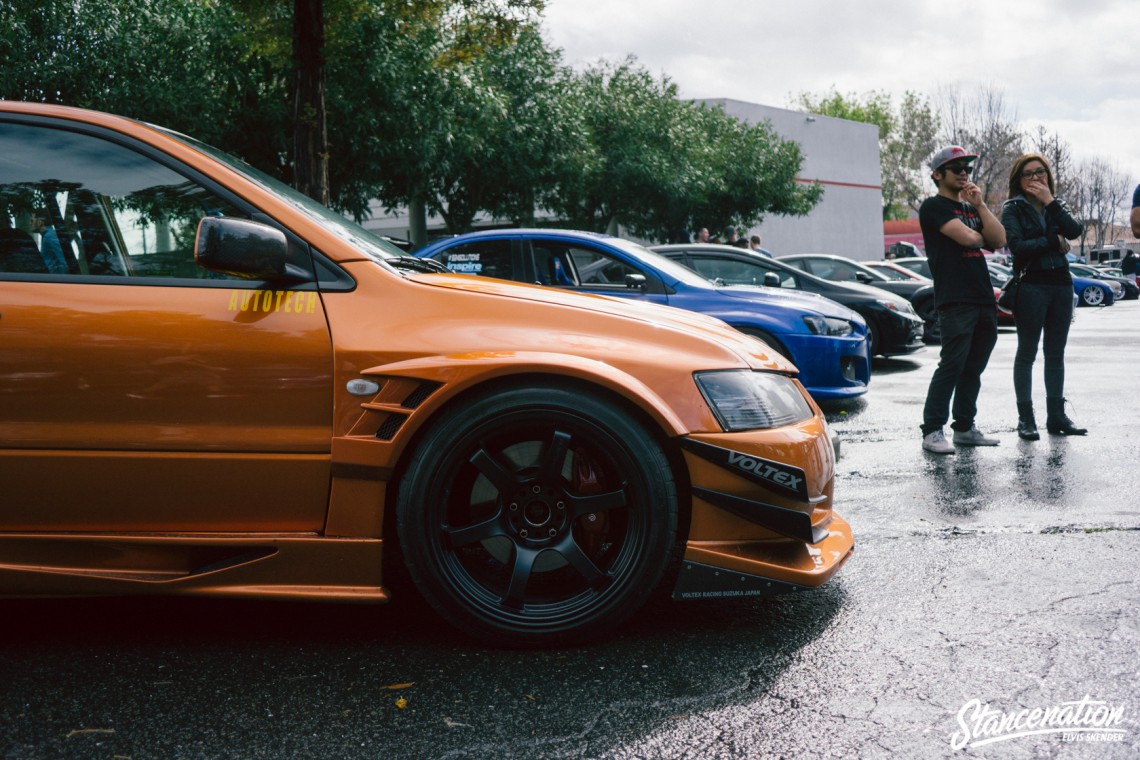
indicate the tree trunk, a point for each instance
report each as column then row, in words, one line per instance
column 310, row 138
column 417, row 221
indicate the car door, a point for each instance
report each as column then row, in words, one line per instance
column 139, row 392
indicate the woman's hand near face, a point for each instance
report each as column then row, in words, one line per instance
column 1039, row 191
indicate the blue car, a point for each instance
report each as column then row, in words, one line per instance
column 1089, row 291
column 826, row 341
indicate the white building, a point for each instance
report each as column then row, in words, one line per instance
column 841, row 155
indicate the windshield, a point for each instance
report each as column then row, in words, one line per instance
column 359, row 238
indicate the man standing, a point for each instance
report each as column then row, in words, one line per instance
column 754, row 244
column 955, row 226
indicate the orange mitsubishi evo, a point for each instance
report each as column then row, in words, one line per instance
column 210, row 384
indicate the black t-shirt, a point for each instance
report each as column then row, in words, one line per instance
column 960, row 274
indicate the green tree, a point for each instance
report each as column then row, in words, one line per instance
column 660, row 167
column 907, row 136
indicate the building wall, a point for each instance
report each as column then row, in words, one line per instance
column 842, row 155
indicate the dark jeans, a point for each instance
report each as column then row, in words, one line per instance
column 1048, row 309
column 969, row 333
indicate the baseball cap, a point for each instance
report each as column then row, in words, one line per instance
column 948, row 154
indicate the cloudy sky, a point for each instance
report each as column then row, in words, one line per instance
column 1071, row 65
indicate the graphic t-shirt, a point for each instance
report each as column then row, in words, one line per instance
column 960, row 274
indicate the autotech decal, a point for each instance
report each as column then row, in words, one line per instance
column 266, row 301
column 781, row 477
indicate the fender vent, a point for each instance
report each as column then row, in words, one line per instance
column 419, row 395
column 391, row 426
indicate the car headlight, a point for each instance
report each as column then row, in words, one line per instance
column 903, row 307
column 746, row 400
column 827, row 325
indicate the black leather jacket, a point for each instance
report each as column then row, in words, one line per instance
column 1035, row 246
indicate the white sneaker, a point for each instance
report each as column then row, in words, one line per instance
column 936, row 443
column 973, row 437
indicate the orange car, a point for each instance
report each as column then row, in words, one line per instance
column 210, row 384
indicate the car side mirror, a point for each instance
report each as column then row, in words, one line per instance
column 863, row 277
column 772, row 280
column 635, row 281
column 241, row 248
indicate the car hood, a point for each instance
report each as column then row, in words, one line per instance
column 690, row 323
column 796, row 299
column 873, row 292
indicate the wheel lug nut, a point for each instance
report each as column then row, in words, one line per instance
column 536, row 489
column 553, row 532
column 560, row 505
column 523, row 533
column 514, row 507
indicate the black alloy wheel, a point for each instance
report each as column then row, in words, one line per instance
column 537, row 516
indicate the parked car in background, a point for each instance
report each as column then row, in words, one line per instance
column 893, row 271
column 842, row 269
column 893, row 327
column 918, row 264
column 1128, row 288
column 1089, row 291
column 827, row 342
column 229, row 390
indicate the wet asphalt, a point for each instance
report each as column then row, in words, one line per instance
column 1001, row 577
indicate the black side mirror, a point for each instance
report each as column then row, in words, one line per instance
column 241, row 248
column 772, row 280
column 863, row 277
column 635, row 281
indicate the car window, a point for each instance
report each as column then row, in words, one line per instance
column 891, row 274
column 94, row 207
column 596, row 267
column 489, row 258
column 732, row 271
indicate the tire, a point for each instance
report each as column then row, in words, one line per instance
column 1092, row 296
column 537, row 516
column 768, row 339
column 873, row 340
column 932, row 329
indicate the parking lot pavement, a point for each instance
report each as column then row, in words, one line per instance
column 1000, row 579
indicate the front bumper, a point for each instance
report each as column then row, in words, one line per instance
column 762, row 519
column 900, row 333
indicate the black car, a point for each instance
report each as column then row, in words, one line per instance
column 892, row 325
column 843, row 269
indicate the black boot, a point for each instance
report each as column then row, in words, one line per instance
column 1026, row 424
column 1057, row 422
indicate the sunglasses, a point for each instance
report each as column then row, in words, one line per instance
column 957, row 168
column 1035, row 174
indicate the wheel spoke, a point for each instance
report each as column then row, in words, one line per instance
column 598, row 502
column 554, row 457
column 474, row 533
column 503, row 480
column 520, row 575
column 573, row 553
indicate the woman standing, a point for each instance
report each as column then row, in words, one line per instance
column 1038, row 229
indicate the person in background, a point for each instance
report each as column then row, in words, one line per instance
column 1039, row 226
column 754, row 245
column 50, row 248
column 1135, row 220
column 730, row 237
column 956, row 225
column 1128, row 263
column 703, row 235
